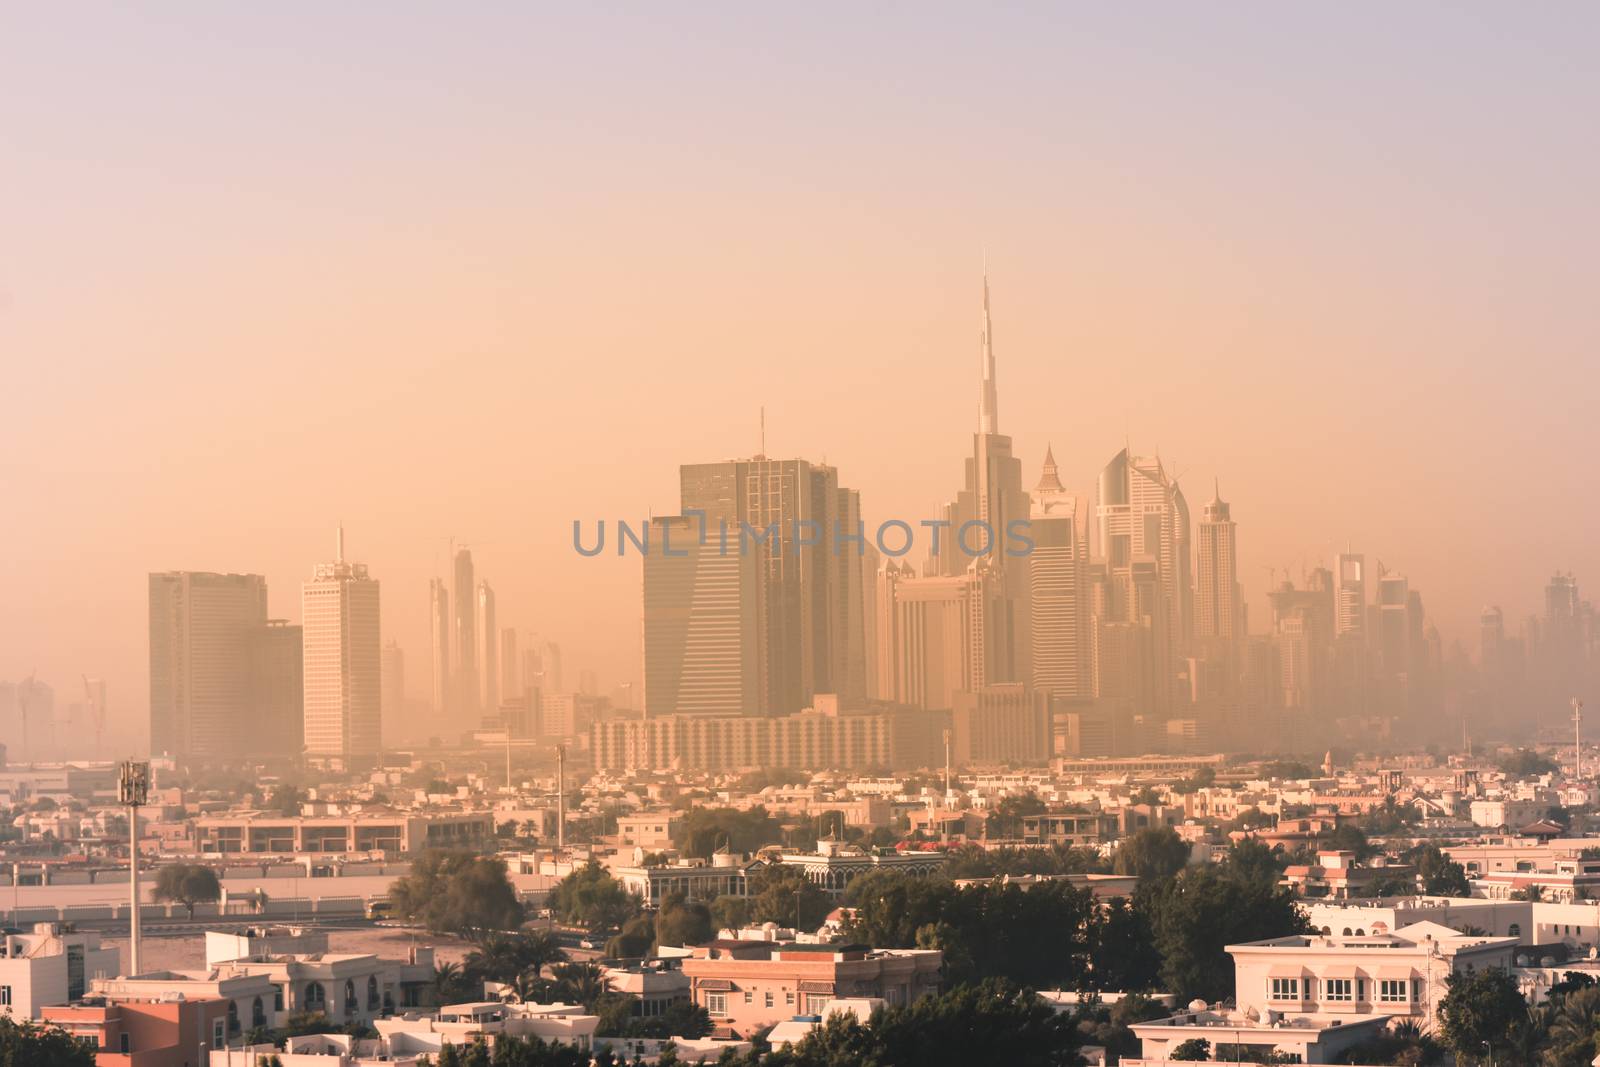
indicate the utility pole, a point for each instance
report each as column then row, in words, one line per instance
column 1577, row 738
column 133, row 791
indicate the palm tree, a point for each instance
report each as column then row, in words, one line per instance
column 1571, row 1028
column 580, row 983
column 448, row 983
column 1527, row 1037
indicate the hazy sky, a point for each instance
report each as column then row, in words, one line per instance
column 476, row 271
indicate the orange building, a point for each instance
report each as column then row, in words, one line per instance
column 169, row 1033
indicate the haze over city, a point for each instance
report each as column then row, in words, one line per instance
column 262, row 275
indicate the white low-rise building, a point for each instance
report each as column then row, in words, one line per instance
column 1313, row 996
column 48, row 966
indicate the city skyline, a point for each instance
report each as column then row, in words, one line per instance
column 1369, row 339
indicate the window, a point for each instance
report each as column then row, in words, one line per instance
column 5, row 996
column 124, row 1046
column 1392, row 990
column 788, row 998
column 1285, row 989
column 1514, row 930
column 316, row 997
column 258, row 1013
column 768, row 1000
column 1338, row 989
column 218, row 1036
column 372, row 992
column 233, row 1018
column 716, row 1003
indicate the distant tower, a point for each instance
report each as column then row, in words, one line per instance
column 992, row 496
column 1218, row 608
column 343, row 655
column 439, row 628
column 201, row 626
column 1058, row 587
column 488, row 651
column 464, row 641
column 1143, row 522
column 393, row 690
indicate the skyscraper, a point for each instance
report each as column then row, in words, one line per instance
column 1219, row 609
column 464, row 644
column 277, row 689
column 701, row 624
column 439, row 630
column 784, row 513
column 200, row 632
column 392, row 691
column 1058, row 588
column 1143, row 523
column 488, row 643
column 510, row 681
column 1352, row 669
column 931, row 633
column 992, row 496
column 343, row 684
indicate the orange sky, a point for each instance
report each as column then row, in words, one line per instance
column 478, row 274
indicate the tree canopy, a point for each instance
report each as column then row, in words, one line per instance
column 187, row 884
column 455, row 891
column 590, row 897
column 27, row 1044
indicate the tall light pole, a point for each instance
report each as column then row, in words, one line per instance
column 1577, row 739
column 133, row 791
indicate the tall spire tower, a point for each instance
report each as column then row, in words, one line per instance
column 988, row 395
column 979, row 522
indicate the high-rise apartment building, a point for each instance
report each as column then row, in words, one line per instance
column 439, row 632
column 392, row 691
column 201, row 627
column 510, row 664
column 464, row 642
column 343, row 672
column 930, row 634
column 488, row 643
column 1143, row 526
column 277, row 689
column 1059, row 588
column 786, row 514
column 1218, row 605
column 701, row 624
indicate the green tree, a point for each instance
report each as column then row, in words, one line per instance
column 992, row 1022
column 1573, row 1025
column 704, row 830
column 457, row 892
column 730, row 913
column 1153, row 855
column 1525, row 763
column 503, row 957
column 635, row 938
column 590, row 897
column 682, row 922
column 27, row 1044
column 187, row 884
column 1194, row 916
column 1251, row 861
column 1007, row 819
column 1122, row 955
column 1196, row 1048
column 1480, row 1010
column 1439, row 876
column 784, row 895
